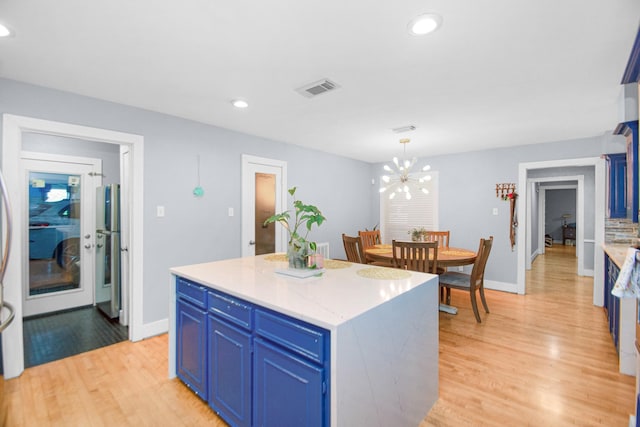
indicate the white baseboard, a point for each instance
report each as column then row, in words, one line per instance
column 501, row 286
column 154, row 328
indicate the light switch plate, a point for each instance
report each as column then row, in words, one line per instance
column 495, row 211
column 159, row 211
column 230, row 211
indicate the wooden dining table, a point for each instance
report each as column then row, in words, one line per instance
column 447, row 257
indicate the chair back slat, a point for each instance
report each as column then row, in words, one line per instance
column 353, row 249
column 370, row 238
column 416, row 256
column 442, row 237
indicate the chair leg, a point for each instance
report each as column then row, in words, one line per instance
column 448, row 298
column 484, row 301
column 474, row 305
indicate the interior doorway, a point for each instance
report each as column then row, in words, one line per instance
column 14, row 129
column 525, row 202
column 264, row 183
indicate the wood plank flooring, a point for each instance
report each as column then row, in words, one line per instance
column 544, row 359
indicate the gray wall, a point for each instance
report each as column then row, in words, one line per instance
column 108, row 153
column 199, row 229
column 467, row 194
column 559, row 202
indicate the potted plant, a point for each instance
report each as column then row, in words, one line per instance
column 418, row 234
column 298, row 227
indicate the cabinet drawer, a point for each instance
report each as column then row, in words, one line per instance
column 301, row 338
column 192, row 292
column 231, row 309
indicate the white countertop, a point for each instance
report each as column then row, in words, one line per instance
column 327, row 301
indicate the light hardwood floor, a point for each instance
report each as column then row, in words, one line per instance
column 544, row 359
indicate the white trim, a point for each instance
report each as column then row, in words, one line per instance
column 501, row 286
column 13, row 127
column 541, row 214
column 155, row 328
column 599, row 211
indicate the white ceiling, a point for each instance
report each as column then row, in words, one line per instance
column 497, row 73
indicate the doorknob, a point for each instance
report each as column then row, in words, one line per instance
column 87, row 236
column 87, row 245
column 252, row 242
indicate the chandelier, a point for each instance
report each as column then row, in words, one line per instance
column 402, row 180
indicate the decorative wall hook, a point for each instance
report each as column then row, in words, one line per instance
column 507, row 191
column 503, row 190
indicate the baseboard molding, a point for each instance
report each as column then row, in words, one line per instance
column 588, row 273
column 535, row 254
column 154, row 328
column 501, row 286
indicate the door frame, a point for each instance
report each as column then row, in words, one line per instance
column 248, row 188
column 541, row 195
column 88, row 218
column 12, row 130
column 599, row 213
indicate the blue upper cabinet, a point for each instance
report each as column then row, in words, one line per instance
column 630, row 131
column 617, row 203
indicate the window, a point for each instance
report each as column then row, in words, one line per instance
column 399, row 215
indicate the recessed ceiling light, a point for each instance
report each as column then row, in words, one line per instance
column 424, row 24
column 239, row 103
column 4, row 31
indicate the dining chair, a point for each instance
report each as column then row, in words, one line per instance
column 442, row 237
column 353, row 249
column 473, row 282
column 415, row 256
column 370, row 238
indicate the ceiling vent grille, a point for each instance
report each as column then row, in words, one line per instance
column 317, row 88
column 404, row 129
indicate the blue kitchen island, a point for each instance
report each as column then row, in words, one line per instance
column 355, row 346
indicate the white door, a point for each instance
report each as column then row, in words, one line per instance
column 262, row 179
column 125, row 192
column 59, row 240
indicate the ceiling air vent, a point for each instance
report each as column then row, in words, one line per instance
column 317, row 88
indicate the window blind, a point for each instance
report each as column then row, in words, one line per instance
column 399, row 215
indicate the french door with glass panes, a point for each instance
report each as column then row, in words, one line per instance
column 59, row 270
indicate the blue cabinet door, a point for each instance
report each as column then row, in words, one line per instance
column 230, row 371
column 617, row 205
column 288, row 390
column 191, row 335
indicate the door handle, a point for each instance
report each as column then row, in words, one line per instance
column 87, row 236
column 87, row 245
column 125, row 249
column 252, row 242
